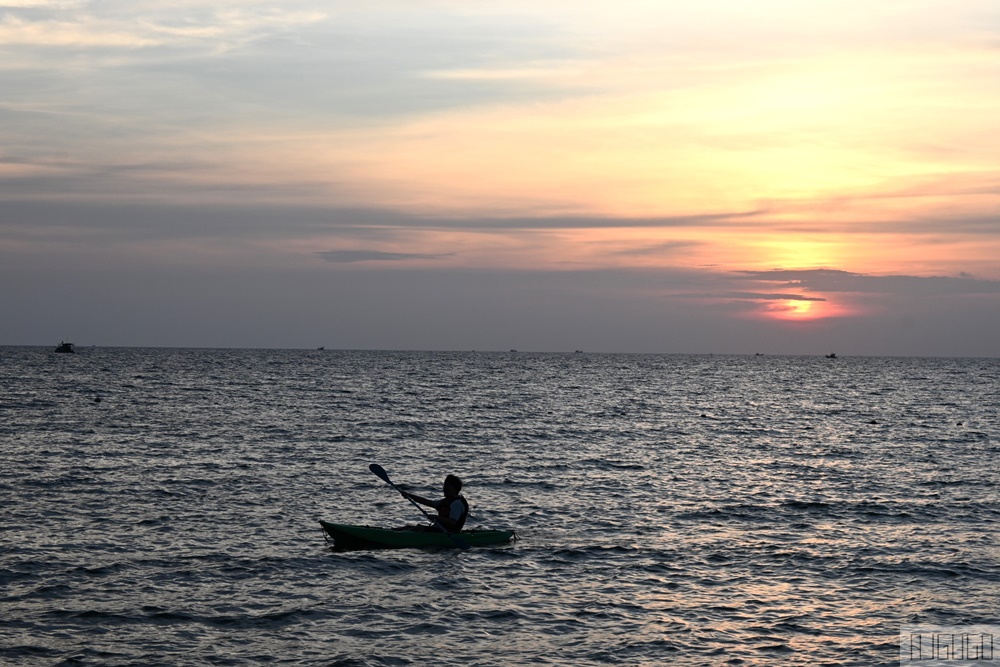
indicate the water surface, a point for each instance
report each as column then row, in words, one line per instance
column 160, row 507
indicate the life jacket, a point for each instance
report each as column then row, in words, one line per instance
column 457, row 510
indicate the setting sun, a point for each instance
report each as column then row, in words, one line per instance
column 794, row 309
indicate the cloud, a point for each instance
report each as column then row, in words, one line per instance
column 658, row 249
column 837, row 281
column 723, row 219
column 352, row 256
column 136, row 26
column 271, row 59
column 768, row 296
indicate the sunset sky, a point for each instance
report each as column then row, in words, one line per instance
column 782, row 177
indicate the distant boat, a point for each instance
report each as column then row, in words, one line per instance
column 831, row 356
column 65, row 348
column 320, row 348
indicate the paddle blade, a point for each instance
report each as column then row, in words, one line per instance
column 380, row 472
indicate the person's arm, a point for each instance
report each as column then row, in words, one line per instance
column 420, row 499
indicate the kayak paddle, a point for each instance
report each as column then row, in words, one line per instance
column 380, row 472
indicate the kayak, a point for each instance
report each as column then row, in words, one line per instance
column 347, row 537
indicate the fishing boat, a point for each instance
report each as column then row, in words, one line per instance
column 65, row 348
column 349, row 538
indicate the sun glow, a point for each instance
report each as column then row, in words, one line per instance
column 795, row 310
column 811, row 308
column 780, row 251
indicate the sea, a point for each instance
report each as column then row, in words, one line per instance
column 162, row 507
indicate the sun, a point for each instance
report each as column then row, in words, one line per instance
column 796, row 310
column 808, row 309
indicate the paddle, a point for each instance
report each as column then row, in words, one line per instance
column 380, row 472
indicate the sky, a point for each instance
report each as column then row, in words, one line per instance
column 731, row 177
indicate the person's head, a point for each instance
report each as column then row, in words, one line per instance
column 452, row 486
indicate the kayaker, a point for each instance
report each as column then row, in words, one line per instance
column 452, row 510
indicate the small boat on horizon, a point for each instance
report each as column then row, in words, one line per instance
column 831, row 356
column 65, row 348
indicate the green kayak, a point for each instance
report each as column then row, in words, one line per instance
column 364, row 537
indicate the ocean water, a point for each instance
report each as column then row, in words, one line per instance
column 160, row 507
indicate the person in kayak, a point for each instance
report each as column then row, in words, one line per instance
column 452, row 510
